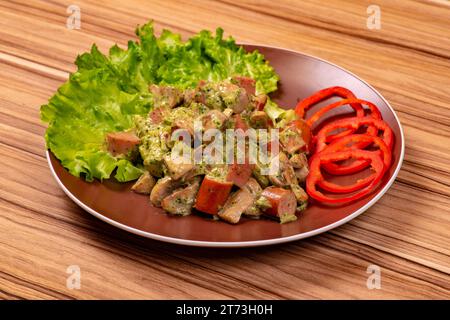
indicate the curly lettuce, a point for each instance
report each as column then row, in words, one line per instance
column 108, row 90
column 279, row 116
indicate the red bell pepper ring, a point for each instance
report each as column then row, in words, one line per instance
column 358, row 165
column 315, row 176
column 324, row 94
column 388, row 137
column 359, row 110
column 340, row 145
column 354, row 123
column 212, row 195
column 375, row 113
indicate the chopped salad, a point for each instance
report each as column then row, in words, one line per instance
column 224, row 190
column 157, row 112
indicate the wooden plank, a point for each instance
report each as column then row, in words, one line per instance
column 406, row 233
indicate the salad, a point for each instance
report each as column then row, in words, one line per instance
column 212, row 185
column 116, row 113
column 161, row 112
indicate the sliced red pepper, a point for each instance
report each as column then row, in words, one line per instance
column 375, row 113
column 315, row 176
column 212, row 195
column 358, row 165
column 354, row 123
column 359, row 110
column 324, row 94
column 341, row 144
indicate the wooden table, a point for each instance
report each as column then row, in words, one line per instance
column 406, row 234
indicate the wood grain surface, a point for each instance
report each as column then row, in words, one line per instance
column 406, row 234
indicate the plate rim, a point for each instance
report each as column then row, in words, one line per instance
column 253, row 243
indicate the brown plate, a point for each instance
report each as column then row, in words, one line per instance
column 301, row 75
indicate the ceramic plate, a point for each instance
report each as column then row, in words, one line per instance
column 301, row 75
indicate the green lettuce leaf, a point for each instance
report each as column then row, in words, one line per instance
column 108, row 91
column 279, row 116
column 214, row 58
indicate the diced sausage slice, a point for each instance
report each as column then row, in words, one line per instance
column 199, row 94
column 155, row 168
column 212, row 195
column 260, row 102
column 259, row 120
column 299, row 193
column 240, row 201
column 263, row 180
column 305, row 130
column 253, row 212
column 180, row 202
column 282, row 203
column 228, row 112
column 189, row 96
column 299, row 160
column 144, row 184
column 177, row 168
column 291, row 139
column 157, row 115
column 163, row 188
column 121, row 143
column 277, row 180
column 246, row 83
column 239, row 123
column 301, row 174
column 185, row 125
column 213, row 119
column 253, row 187
column 234, row 97
column 255, row 190
column 286, row 174
column 239, row 173
column 166, row 96
column 241, row 103
column 289, row 174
